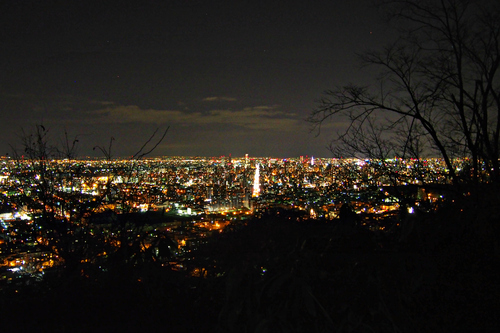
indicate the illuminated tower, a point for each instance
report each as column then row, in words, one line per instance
column 256, row 182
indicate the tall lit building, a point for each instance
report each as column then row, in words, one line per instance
column 256, row 182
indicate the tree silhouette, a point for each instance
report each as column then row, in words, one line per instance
column 68, row 219
column 437, row 90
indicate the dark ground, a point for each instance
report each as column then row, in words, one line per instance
column 435, row 275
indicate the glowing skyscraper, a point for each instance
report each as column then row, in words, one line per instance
column 256, row 182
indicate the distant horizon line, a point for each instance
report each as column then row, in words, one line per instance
column 222, row 157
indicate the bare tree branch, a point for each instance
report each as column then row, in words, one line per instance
column 439, row 81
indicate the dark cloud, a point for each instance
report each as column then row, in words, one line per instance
column 219, row 98
column 226, row 77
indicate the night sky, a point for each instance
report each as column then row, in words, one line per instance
column 227, row 77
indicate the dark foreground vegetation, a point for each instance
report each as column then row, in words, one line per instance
column 434, row 273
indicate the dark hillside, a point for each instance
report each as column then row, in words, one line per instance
column 274, row 275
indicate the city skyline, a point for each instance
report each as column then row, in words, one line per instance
column 225, row 79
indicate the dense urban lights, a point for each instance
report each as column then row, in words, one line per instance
column 204, row 195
